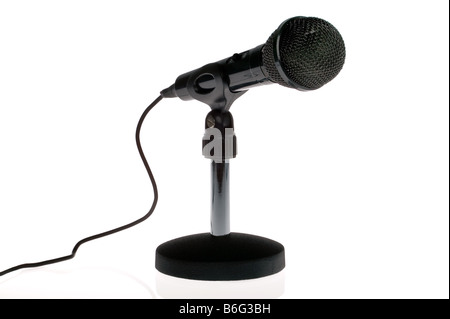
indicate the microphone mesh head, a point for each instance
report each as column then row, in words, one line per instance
column 304, row 53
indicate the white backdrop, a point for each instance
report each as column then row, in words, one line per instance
column 351, row 178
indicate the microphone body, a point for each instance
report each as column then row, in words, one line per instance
column 303, row 53
column 241, row 72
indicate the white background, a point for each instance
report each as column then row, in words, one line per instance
column 352, row 178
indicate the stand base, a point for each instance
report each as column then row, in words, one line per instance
column 232, row 257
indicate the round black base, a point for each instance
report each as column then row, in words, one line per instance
column 232, row 257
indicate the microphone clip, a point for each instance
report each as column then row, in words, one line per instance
column 208, row 84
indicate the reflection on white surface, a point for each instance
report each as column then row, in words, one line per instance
column 86, row 282
column 110, row 283
column 269, row 287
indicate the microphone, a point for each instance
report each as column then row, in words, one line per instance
column 304, row 53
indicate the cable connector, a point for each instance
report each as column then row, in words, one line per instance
column 169, row 92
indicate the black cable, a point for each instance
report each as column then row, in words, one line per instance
column 115, row 230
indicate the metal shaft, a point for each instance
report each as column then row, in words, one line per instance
column 220, row 199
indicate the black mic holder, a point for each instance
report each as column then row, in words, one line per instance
column 220, row 254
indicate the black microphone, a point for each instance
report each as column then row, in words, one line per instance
column 304, row 53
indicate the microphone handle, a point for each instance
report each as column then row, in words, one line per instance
column 246, row 70
column 241, row 71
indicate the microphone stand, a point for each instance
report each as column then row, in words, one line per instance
column 220, row 198
column 220, row 254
